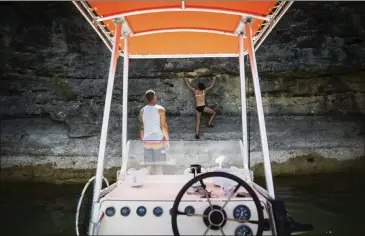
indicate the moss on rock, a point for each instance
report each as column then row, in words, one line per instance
column 300, row 165
column 311, row 164
column 48, row 174
column 64, row 89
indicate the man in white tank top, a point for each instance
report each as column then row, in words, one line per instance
column 154, row 131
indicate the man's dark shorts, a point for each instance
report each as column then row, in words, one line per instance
column 155, row 156
column 154, row 153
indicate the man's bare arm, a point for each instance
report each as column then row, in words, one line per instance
column 211, row 85
column 163, row 124
column 141, row 130
column 188, row 84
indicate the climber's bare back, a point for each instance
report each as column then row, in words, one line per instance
column 199, row 97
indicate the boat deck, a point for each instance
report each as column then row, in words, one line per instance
column 166, row 188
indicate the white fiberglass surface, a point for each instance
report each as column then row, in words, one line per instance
column 175, row 157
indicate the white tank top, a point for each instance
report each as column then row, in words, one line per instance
column 151, row 123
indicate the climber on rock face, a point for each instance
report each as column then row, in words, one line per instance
column 200, row 104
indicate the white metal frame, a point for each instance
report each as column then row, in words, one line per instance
column 260, row 113
column 262, row 35
column 160, row 56
column 92, row 15
column 185, row 9
column 108, row 100
column 243, row 102
column 102, row 36
column 193, row 30
column 123, row 30
column 125, row 93
column 104, row 129
column 123, row 169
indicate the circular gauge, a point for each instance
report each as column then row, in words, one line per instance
column 141, row 211
column 243, row 230
column 125, row 211
column 157, row 211
column 241, row 212
column 189, row 209
column 110, row 211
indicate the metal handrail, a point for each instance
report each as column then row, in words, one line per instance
column 80, row 201
column 123, row 169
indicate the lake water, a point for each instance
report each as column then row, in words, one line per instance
column 334, row 204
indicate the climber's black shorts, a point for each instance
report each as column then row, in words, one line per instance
column 200, row 108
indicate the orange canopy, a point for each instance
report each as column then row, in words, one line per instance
column 178, row 28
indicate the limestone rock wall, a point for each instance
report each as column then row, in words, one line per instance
column 54, row 72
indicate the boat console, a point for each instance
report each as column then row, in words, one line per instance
column 171, row 205
column 214, row 198
column 218, row 198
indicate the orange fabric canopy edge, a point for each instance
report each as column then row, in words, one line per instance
column 168, row 17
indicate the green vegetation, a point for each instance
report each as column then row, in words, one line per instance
column 63, row 88
column 301, row 165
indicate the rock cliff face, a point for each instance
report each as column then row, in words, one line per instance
column 54, row 72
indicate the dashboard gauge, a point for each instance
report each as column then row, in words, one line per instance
column 157, row 211
column 110, row 211
column 141, row 211
column 125, row 211
column 243, row 230
column 241, row 212
column 189, row 209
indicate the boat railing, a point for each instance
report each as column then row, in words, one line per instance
column 244, row 157
column 123, row 169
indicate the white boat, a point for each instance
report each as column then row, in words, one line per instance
column 206, row 187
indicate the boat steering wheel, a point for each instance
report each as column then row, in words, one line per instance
column 214, row 216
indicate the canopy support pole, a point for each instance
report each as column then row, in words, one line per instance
column 260, row 111
column 125, row 94
column 243, row 101
column 104, row 128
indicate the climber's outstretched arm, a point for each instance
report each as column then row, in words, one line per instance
column 188, row 84
column 211, row 85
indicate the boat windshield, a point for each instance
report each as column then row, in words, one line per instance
column 176, row 157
